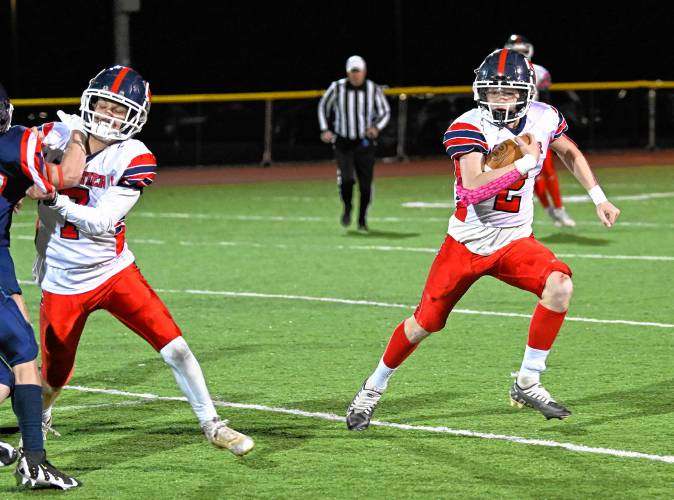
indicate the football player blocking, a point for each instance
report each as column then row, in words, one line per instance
column 83, row 262
column 490, row 232
column 21, row 165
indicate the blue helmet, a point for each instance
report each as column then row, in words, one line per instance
column 504, row 69
column 6, row 110
column 122, row 85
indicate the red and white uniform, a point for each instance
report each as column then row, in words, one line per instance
column 543, row 78
column 77, row 255
column 84, row 264
column 492, row 237
column 493, row 223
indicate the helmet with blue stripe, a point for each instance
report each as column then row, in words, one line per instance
column 121, row 85
column 504, row 69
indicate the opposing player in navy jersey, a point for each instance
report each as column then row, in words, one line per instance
column 490, row 232
column 84, row 263
column 21, row 165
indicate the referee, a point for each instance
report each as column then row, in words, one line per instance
column 351, row 114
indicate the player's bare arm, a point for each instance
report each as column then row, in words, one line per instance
column 74, row 160
column 577, row 164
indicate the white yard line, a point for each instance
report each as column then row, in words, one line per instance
column 334, row 300
column 377, row 248
column 578, row 198
column 578, row 448
column 331, row 220
column 59, row 409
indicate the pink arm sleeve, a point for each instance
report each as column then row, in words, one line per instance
column 473, row 196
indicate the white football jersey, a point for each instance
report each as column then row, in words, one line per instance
column 543, row 78
column 512, row 207
column 80, row 241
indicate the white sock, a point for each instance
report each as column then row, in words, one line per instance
column 379, row 378
column 533, row 365
column 190, row 378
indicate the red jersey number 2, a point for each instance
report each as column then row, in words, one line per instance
column 81, row 197
column 506, row 202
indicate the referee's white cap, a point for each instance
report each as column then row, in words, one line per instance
column 355, row 63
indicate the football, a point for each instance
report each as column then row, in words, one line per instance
column 505, row 153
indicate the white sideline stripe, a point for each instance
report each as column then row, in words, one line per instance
column 59, row 409
column 278, row 218
column 581, row 198
column 424, row 428
column 577, row 198
column 380, row 248
column 400, row 306
column 334, row 300
column 385, row 248
column 273, row 218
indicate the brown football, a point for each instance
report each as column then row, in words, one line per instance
column 505, row 153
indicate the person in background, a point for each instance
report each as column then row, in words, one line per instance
column 547, row 183
column 351, row 115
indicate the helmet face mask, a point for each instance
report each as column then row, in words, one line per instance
column 504, row 73
column 119, row 85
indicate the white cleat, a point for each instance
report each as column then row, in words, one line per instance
column 34, row 474
column 221, row 435
column 8, row 454
column 562, row 218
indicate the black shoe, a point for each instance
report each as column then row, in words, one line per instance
column 39, row 473
column 8, row 454
column 535, row 396
column 346, row 218
column 360, row 411
column 362, row 227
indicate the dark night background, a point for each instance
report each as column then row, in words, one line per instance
column 219, row 47
column 184, row 47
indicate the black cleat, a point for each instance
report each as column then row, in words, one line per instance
column 362, row 227
column 346, row 218
column 39, row 473
column 362, row 407
column 536, row 397
column 8, row 454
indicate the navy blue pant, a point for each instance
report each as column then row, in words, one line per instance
column 17, row 340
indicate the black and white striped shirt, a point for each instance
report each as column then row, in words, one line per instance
column 355, row 109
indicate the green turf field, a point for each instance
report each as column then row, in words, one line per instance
column 242, row 268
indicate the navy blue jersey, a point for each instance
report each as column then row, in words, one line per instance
column 21, row 165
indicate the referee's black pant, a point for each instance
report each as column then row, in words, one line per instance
column 355, row 159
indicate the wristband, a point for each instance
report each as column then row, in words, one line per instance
column 524, row 164
column 52, row 202
column 597, row 195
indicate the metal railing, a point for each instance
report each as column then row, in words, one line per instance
column 261, row 127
